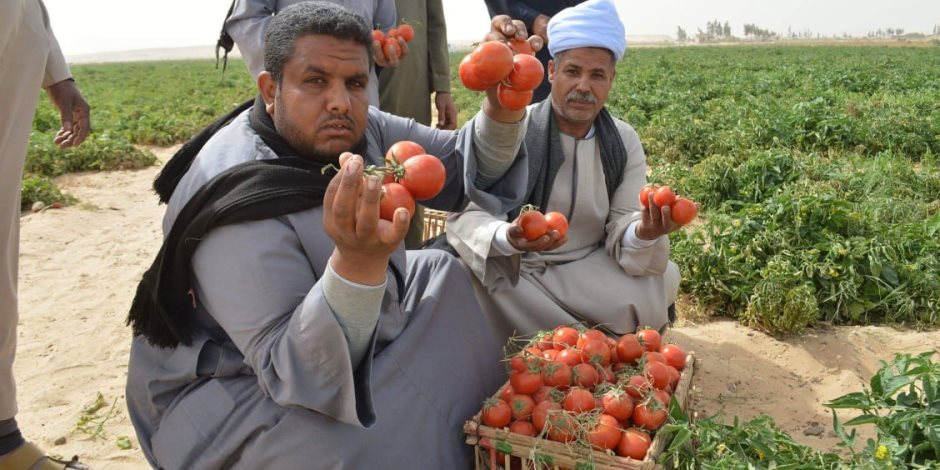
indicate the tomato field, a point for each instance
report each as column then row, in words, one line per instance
column 816, row 171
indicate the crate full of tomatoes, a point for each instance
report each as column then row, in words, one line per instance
column 577, row 398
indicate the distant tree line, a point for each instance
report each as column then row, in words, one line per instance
column 718, row 31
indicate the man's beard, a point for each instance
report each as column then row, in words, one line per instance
column 287, row 130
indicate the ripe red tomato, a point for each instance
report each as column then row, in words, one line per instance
column 589, row 335
column 629, row 348
column 562, row 427
column 522, row 427
column 658, row 374
column 546, row 393
column 401, row 151
column 527, row 73
column 492, row 61
column 522, row 406
column 565, row 337
column 525, row 382
column 551, row 354
column 540, row 413
column 684, row 211
column 664, row 196
column 378, row 35
column 654, row 356
column 391, row 48
column 545, row 342
column 596, row 352
column 634, row 444
column 584, row 375
column 496, row 413
column 506, row 393
column 674, row 355
column 392, row 33
column 558, row 222
column 533, row 226
column 521, row 46
column 406, row 32
column 393, row 197
column 468, row 78
column 650, row 339
column 637, row 386
column 618, row 404
column 649, row 415
column 674, row 377
column 513, row 99
column 578, row 400
column 572, row 357
column 557, row 374
column 424, row 176
column 645, row 194
column 606, row 433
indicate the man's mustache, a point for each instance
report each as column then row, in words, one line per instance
column 582, row 97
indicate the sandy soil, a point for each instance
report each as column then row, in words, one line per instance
column 80, row 266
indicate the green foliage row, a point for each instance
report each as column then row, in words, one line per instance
column 902, row 404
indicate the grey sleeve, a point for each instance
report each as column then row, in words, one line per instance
column 384, row 15
column 256, row 281
column 247, row 26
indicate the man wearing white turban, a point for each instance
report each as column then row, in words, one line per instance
column 612, row 268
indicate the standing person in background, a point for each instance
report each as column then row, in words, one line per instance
column 249, row 21
column 29, row 58
column 535, row 14
column 406, row 90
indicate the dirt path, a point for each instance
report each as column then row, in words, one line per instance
column 80, row 265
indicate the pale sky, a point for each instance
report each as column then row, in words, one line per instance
column 87, row 26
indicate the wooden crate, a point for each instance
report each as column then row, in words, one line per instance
column 555, row 455
column 435, row 222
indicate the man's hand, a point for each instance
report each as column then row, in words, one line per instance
column 381, row 60
column 446, row 110
column 364, row 242
column 656, row 221
column 551, row 240
column 540, row 27
column 75, row 113
column 504, row 28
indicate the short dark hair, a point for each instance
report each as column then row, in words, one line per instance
column 305, row 18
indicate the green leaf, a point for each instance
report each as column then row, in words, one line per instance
column 857, row 400
column 503, row 447
column 862, row 419
column 124, row 442
column 675, row 411
column 682, row 436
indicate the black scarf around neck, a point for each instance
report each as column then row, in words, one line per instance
column 543, row 146
column 163, row 310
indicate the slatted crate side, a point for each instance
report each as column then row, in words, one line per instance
column 487, row 441
column 435, row 223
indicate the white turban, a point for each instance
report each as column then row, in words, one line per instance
column 594, row 23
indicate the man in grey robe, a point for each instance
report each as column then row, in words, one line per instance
column 250, row 20
column 613, row 267
column 315, row 340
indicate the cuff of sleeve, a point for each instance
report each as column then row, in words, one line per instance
column 353, row 301
column 630, row 240
column 501, row 241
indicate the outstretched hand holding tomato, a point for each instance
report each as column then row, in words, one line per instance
column 663, row 212
column 503, row 66
column 364, row 242
column 533, row 231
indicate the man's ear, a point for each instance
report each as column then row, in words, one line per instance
column 551, row 70
column 268, row 88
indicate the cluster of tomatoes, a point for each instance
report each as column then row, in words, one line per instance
column 389, row 40
column 512, row 66
column 409, row 174
column 683, row 210
column 535, row 224
column 583, row 386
